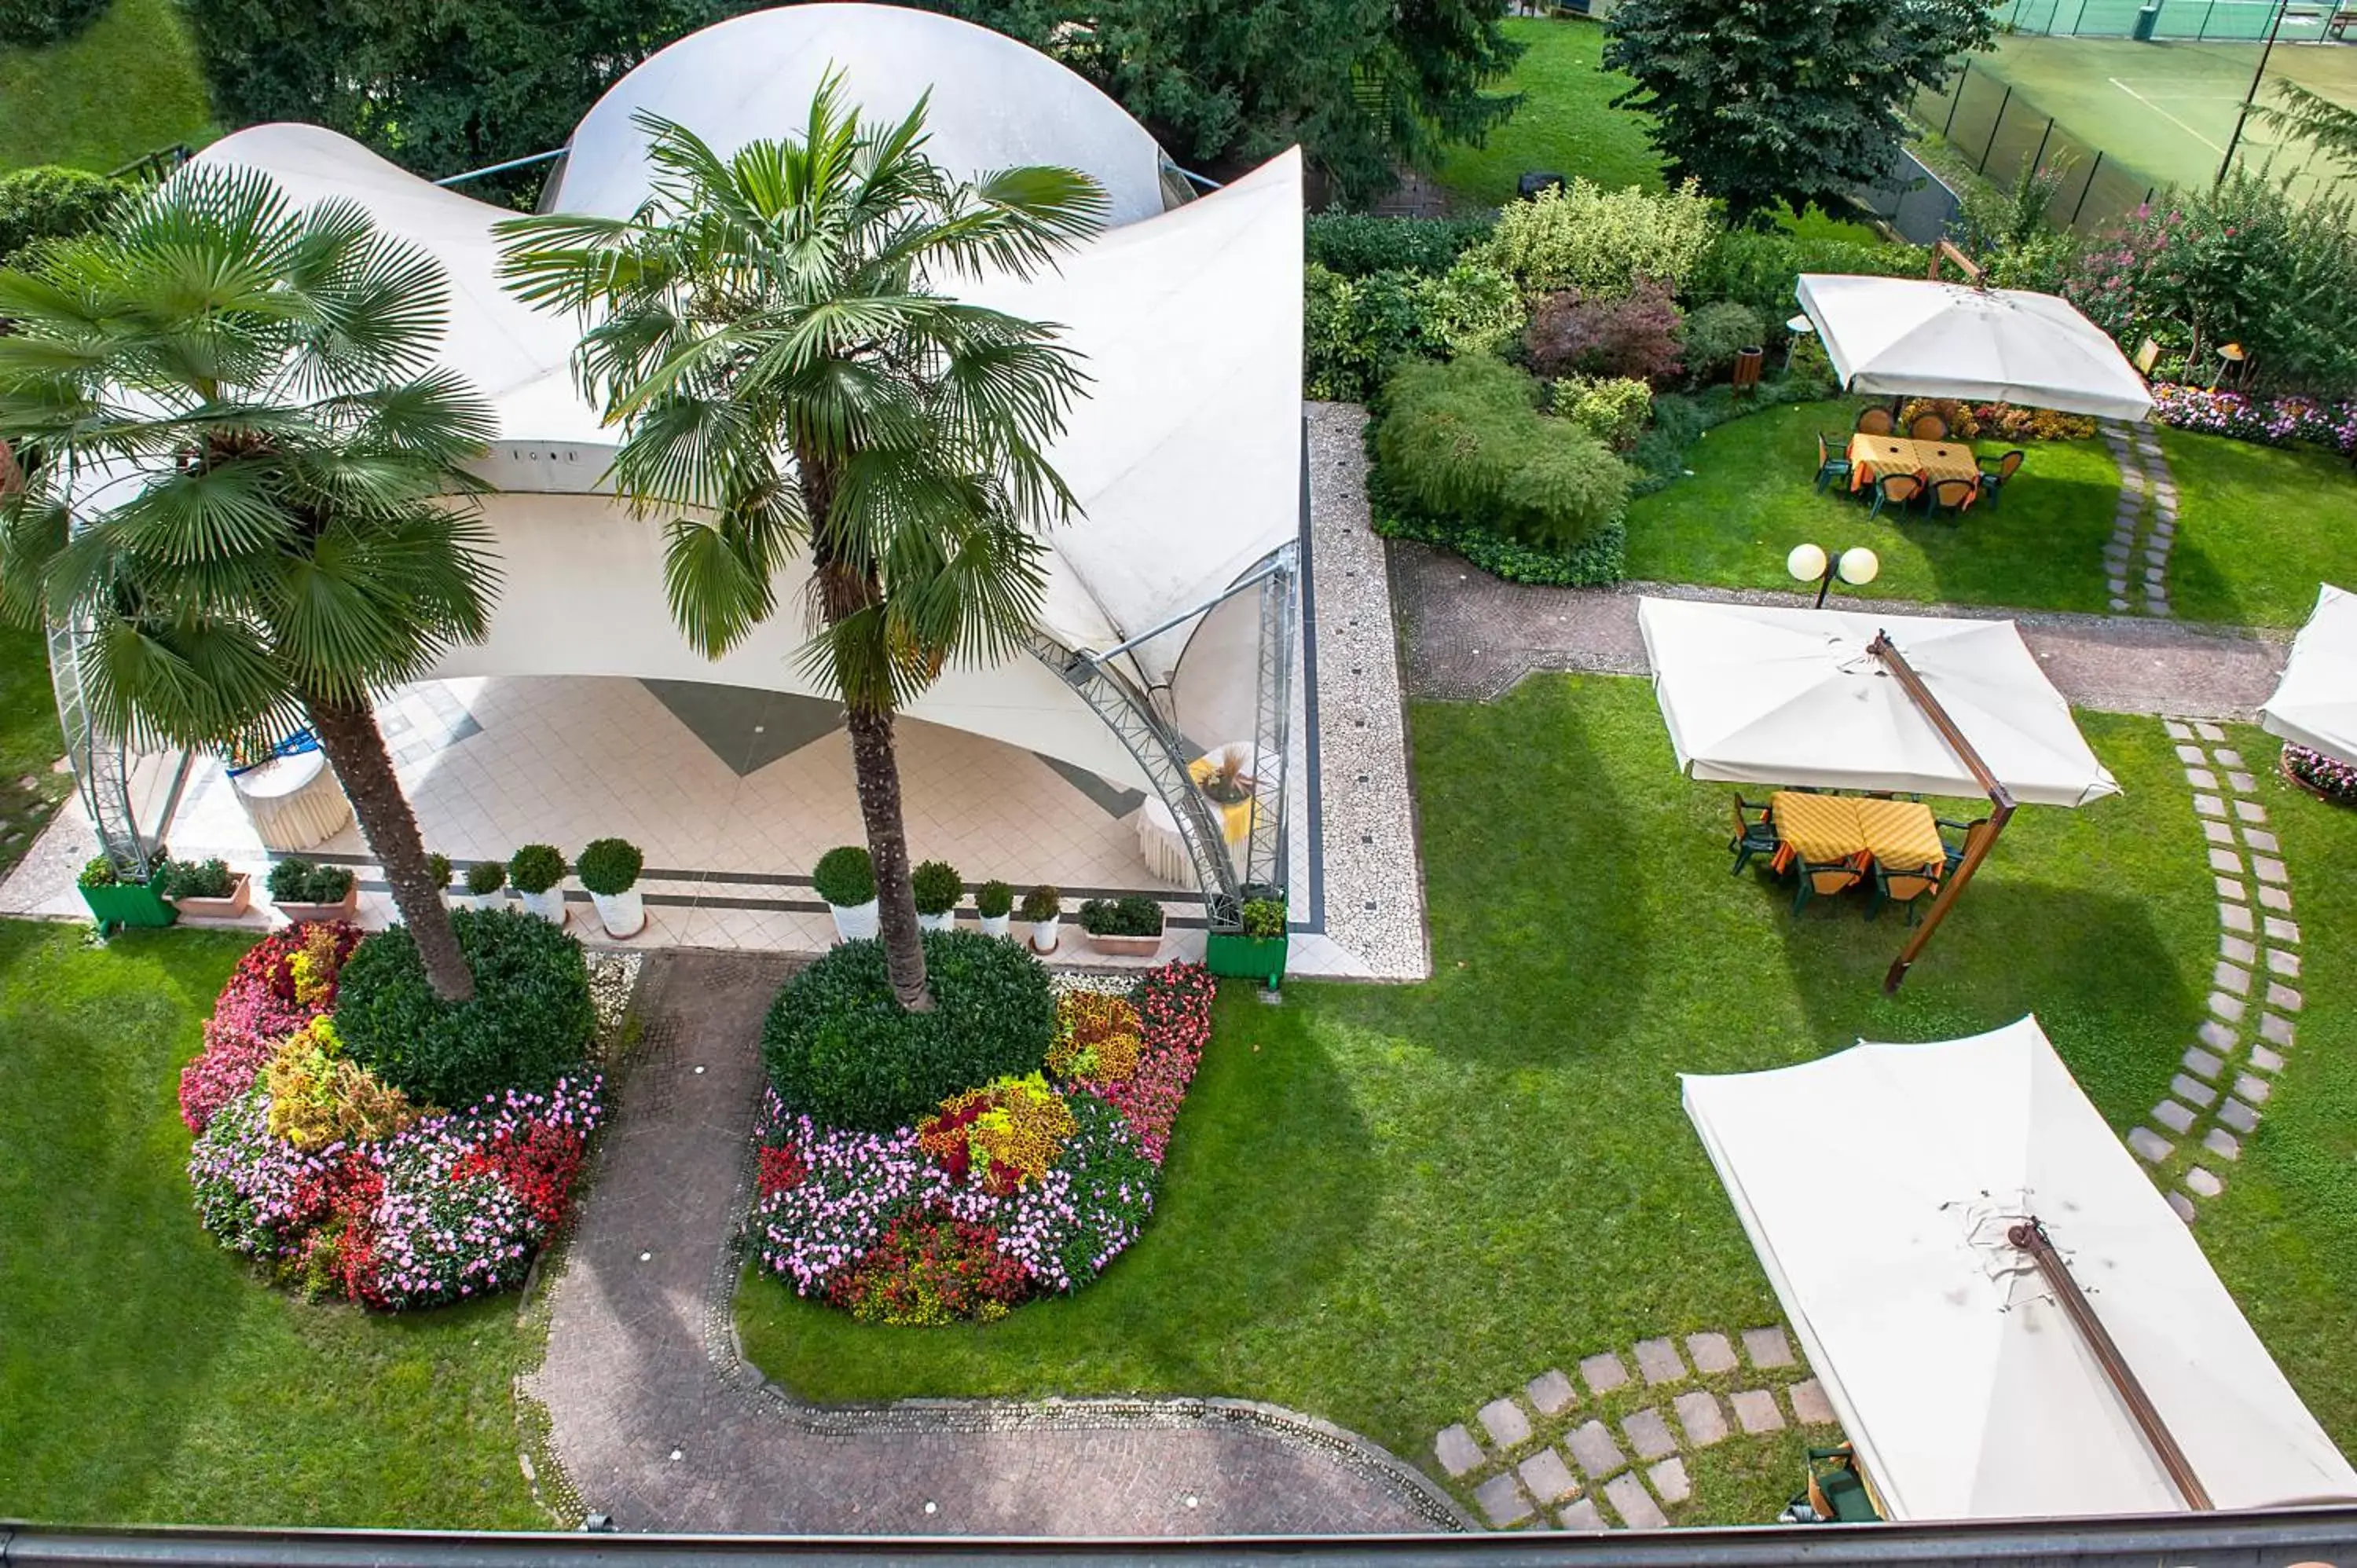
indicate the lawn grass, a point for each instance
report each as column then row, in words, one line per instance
column 2258, row 528
column 145, row 1376
column 1567, row 124
column 1388, row 1205
column 1751, row 497
column 30, row 744
column 128, row 86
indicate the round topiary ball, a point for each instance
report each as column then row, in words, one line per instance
column 842, row 1050
column 530, row 1023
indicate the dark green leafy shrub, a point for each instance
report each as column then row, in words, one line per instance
column 937, row 887
column 49, row 203
column 1713, row 335
column 297, row 881
column 1264, row 917
column 1355, row 329
column 437, row 870
column 30, row 24
column 1355, row 245
column 1759, row 270
column 1466, row 441
column 841, row 1049
column 1135, row 915
column 530, row 1023
column 994, row 899
column 609, row 866
column 98, row 871
column 1042, row 903
column 536, row 867
column 486, row 876
column 845, row 876
column 199, row 879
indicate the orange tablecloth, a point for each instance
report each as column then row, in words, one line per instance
column 1935, row 460
column 1826, row 829
column 1900, row 835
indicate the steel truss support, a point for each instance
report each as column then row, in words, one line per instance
column 1266, row 862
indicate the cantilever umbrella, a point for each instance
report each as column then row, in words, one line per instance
column 1922, row 337
column 1966, row 1355
column 2314, row 705
column 1837, row 700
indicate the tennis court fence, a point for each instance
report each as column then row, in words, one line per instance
column 2233, row 21
column 1999, row 132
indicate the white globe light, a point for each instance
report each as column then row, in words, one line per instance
column 1859, row 566
column 1807, row 563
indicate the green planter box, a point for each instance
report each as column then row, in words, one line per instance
column 130, row 903
column 1247, row 958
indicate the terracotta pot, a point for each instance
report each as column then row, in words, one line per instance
column 239, row 900
column 343, row 908
column 1127, row 947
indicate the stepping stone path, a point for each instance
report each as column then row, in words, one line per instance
column 1606, row 1447
column 2143, row 531
column 2229, row 1077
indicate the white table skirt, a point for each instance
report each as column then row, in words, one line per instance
column 294, row 802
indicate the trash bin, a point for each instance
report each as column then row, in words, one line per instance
column 2147, row 18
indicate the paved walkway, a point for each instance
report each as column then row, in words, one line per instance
column 658, row 1422
column 1470, row 635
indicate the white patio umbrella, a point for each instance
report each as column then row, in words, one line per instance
column 1919, row 338
column 1957, row 1371
column 2314, row 704
column 1761, row 694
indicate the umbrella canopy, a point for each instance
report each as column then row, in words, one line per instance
column 1917, row 338
column 2314, row 704
column 1757, row 694
column 1954, row 1370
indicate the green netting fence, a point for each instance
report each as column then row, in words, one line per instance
column 1998, row 132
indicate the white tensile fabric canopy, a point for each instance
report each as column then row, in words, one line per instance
column 2314, row 704
column 1761, row 694
column 1965, row 1389
column 1919, row 338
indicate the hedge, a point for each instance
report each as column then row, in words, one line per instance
column 1466, row 441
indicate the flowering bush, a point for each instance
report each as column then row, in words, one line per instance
column 1582, row 236
column 1998, row 421
column 2333, row 779
column 334, row 1180
column 2271, row 421
column 1011, row 1190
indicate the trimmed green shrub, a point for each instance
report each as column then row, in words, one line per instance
column 1601, row 241
column 842, row 1050
column 1713, row 335
column 46, row 202
column 437, row 870
column 1759, row 270
column 1134, row 916
column 937, row 887
column 994, row 899
column 1597, row 560
column 610, row 866
column 486, row 876
column 198, row 879
column 530, row 1023
column 536, row 867
column 98, row 871
column 845, row 876
column 297, row 881
column 1472, row 308
column 1354, row 244
column 1264, row 917
column 1042, row 903
column 1354, row 329
column 1466, row 441
column 1613, row 409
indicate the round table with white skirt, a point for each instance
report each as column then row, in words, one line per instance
column 1158, row 844
column 294, row 802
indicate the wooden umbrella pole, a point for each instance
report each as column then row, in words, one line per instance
column 2031, row 1237
column 1977, row 845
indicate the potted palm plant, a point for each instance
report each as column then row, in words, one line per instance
column 1256, row 949
column 115, row 902
column 304, row 891
column 845, row 877
column 609, row 869
column 1131, row 926
column 536, row 872
column 938, row 888
column 207, row 889
column 994, row 901
column 486, row 885
column 1043, row 907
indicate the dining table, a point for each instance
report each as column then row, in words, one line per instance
column 1831, row 830
column 1873, row 455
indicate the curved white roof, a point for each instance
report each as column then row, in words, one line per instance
column 996, row 103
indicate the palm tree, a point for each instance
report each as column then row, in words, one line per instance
column 769, row 331
column 242, row 475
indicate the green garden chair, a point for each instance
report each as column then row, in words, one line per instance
column 1894, row 490
column 1914, row 889
column 1951, row 496
column 1831, row 463
column 1837, row 1493
column 1956, row 848
column 1993, row 479
column 1822, row 879
column 1754, row 834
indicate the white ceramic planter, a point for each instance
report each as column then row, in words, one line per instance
column 623, row 914
column 1043, row 934
column 491, row 900
column 854, row 922
column 995, row 925
column 548, row 906
column 945, row 922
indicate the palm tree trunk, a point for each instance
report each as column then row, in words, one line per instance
column 355, row 746
column 877, row 767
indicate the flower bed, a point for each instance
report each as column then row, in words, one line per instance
column 1019, row 1187
column 2322, row 775
column 2269, row 421
column 336, row 1181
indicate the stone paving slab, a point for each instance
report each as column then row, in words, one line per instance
column 1755, row 1410
column 640, row 1363
column 1457, row 1451
column 1669, row 1481
column 1501, row 1501
column 1649, row 1434
column 1711, row 1353
column 1506, row 1423
column 1548, row 1478
column 1658, row 1361
column 1810, row 1406
column 1698, row 1412
column 1592, row 1444
column 1582, row 1516
column 1551, row 1393
column 1603, row 1373
column 1634, row 1504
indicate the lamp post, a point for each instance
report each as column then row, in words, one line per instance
column 1857, row 566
